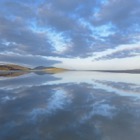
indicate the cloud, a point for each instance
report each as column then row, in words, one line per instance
column 122, row 13
column 22, row 39
column 121, row 51
column 28, row 60
column 69, row 29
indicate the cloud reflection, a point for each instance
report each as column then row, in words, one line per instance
column 70, row 107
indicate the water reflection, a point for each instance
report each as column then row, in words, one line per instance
column 70, row 106
column 10, row 74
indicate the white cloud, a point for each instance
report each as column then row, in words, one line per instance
column 121, row 48
column 112, row 64
column 59, row 42
column 74, row 29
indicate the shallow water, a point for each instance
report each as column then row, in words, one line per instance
column 70, row 106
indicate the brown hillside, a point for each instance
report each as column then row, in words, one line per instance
column 8, row 67
column 54, row 70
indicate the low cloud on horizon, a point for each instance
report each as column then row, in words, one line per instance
column 92, row 34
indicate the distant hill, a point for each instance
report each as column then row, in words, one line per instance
column 54, row 70
column 49, row 69
column 43, row 67
column 13, row 67
column 135, row 71
column 39, row 68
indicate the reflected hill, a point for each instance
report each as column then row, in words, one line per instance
column 10, row 74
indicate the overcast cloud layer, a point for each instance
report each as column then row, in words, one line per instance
column 70, row 33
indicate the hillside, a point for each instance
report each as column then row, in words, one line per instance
column 54, row 70
column 14, row 67
column 40, row 68
column 49, row 69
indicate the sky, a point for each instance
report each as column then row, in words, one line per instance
column 75, row 34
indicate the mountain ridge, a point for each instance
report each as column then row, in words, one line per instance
column 7, row 67
column 14, row 67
